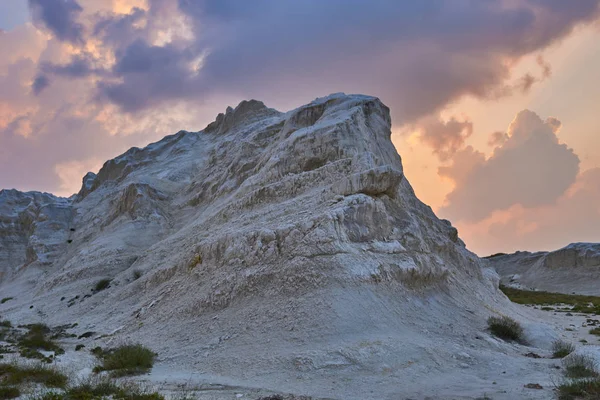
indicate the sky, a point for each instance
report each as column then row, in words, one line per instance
column 494, row 102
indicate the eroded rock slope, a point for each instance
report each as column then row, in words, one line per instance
column 271, row 250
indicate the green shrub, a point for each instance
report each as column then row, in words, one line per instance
column 506, row 328
column 579, row 389
column 13, row 374
column 101, row 388
column 37, row 339
column 561, row 348
column 595, row 331
column 102, row 285
column 9, row 392
column 5, row 324
column 137, row 274
column 133, row 359
column 580, row 366
column 4, row 300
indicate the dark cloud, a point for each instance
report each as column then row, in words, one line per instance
column 530, row 169
column 40, row 83
column 148, row 75
column 60, row 17
column 416, row 56
column 120, row 30
column 80, row 66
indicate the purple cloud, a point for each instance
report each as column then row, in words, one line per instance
column 60, row 17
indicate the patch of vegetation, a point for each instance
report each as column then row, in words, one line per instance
column 101, row 285
column 9, row 392
column 546, row 308
column 37, row 339
column 13, row 374
column 5, row 324
column 506, row 328
column 561, row 348
column 580, row 366
column 579, row 303
column 97, row 388
column 137, row 274
column 195, row 261
column 101, row 388
column 79, row 347
column 595, row 331
column 131, row 359
column 4, row 300
column 580, row 389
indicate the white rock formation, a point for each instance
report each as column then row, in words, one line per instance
column 276, row 250
column 572, row 269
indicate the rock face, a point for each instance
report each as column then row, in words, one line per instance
column 572, row 269
column 274, row 249
column 34, row 228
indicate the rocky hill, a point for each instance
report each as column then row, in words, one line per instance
column 572, row 269
column 270, row 250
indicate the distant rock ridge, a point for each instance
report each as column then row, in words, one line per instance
column 572, row 269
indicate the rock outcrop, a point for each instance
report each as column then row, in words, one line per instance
column 270, row 249
column 572, row 269
column 34, row 228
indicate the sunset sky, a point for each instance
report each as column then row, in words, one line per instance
column 495, row 103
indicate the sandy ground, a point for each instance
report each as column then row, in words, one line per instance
column 493, row 370
column 504, row 380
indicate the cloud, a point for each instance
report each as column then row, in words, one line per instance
column 40, row 83
column 530, row 169
column 574, row 217
column 149, row 75
column 80, row 66
column 416, row 56
column 497, row 139
column 444, row 137
column 60, row 17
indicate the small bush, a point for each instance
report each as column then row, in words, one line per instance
column 506, row 328
column 126, row 360
column 9, row 392
column 580, row 366
column 4, row 300
column 561, row 348
column 579, row 389
column 15, row 375
column 595, row 331
column 37, row 339
column 137, row 274
column 5, row 324
column 101, row 285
